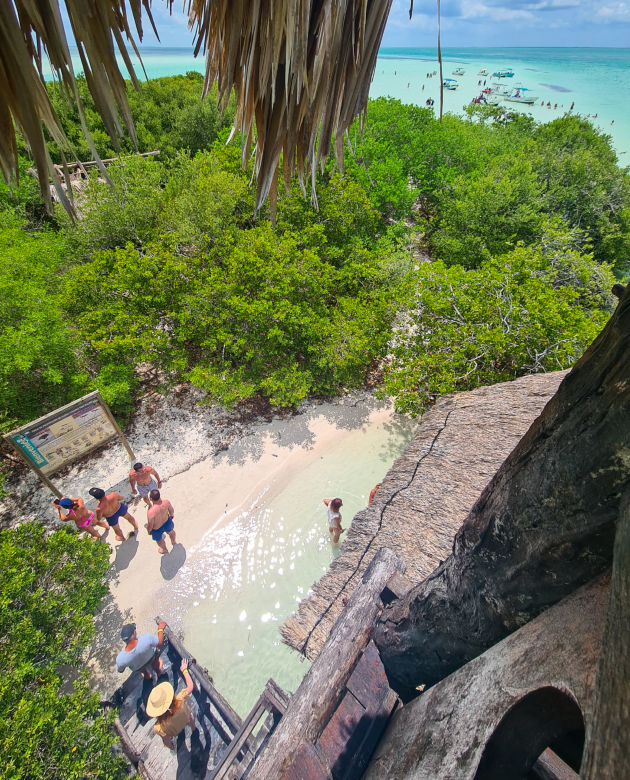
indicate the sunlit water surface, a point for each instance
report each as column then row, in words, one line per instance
column 245, row 578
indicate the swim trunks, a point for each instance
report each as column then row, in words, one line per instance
column 144, row 490
column 158, row 534
column 120, row 512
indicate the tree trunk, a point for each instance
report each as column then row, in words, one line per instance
column 607, row 749
column 543, row 526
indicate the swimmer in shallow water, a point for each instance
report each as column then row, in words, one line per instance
column 334, row 519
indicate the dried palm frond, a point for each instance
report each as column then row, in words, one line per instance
column 32, row 29
column 301, row 70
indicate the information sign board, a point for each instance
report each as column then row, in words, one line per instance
column 55, row 440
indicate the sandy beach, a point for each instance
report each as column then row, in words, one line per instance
column 213, row 467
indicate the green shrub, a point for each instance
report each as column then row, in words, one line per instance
column 50, row 587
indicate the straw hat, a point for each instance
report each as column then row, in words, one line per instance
column 160, row 699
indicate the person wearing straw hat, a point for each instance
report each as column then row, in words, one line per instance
column 172, row 712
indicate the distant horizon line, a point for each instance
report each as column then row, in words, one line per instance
column 429, row 46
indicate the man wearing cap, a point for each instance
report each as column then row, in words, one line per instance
column 111, row 508
column 172, row 712
column 146, row 478
column 141, row 654
column 160, row 521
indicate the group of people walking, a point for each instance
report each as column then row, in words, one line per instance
column 144, row 481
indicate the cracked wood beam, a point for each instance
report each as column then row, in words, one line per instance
column 543, row 526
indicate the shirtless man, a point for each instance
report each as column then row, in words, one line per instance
column 111, row 508
column 146, row 478
column 160, row 517
column 75, row 509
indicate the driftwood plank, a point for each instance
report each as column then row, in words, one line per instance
column 240, row 738
column 549, row 766
column 313, row 704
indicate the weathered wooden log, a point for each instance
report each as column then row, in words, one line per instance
column 543, row 526
column 550, row 767
column 126, row 743
column 607, row 749
column 312, row 705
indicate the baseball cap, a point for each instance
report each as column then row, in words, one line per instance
column 127, row 631
column 97, row 493
column 66, row 503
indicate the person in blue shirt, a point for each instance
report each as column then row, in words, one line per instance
column 141, row 654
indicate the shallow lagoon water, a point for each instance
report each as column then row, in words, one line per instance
column 245, row 578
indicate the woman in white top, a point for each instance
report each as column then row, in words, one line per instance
column 334, row 518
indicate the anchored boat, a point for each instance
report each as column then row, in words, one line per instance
column 450, row 84
column 504, row 73
column 521, row 94
column 458, row 72
column 483, row 72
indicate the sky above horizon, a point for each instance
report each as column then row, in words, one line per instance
column 472, row 23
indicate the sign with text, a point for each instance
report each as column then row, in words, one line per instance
column 60, row 437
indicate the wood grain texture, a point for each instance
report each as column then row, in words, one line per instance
column 426, row 495
column 442, row 734
column 607, row 750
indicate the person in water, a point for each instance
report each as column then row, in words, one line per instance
column 172, row 712
column 160, row 517
column 334, row 518
column 146, row 478
column 84, row 519
column 111, row 508
column 141, row 654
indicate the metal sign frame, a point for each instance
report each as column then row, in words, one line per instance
column 63, row 411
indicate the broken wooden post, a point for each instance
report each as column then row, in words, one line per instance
column 313, row 703
column 543, row 526
column 607, row 749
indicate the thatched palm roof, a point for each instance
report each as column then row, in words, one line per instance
column 301, row 70
column 426, row 495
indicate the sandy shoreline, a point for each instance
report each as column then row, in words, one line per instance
column 213, row 467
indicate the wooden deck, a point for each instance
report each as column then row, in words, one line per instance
column 222, row 746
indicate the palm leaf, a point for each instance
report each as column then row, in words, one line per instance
column 301, row 70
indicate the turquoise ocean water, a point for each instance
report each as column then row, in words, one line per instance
column 597, row 80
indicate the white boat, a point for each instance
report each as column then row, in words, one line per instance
column 458, row 72
column 498, row 89
column 494, row 100
column 483, row 72
column 450, row 84
column 521, row 94
column 504, row 73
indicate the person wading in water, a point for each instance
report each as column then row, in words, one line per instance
column 334, row 518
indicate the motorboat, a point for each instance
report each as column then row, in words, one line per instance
column 450, row 84
column 494, row 100
column 483, row 72
column 498, row 89
column 458, row 72
column 521, row 94
column 503, row 73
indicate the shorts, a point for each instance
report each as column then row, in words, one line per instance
column 120, row 512
column 158, row 534
column 144, row 490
